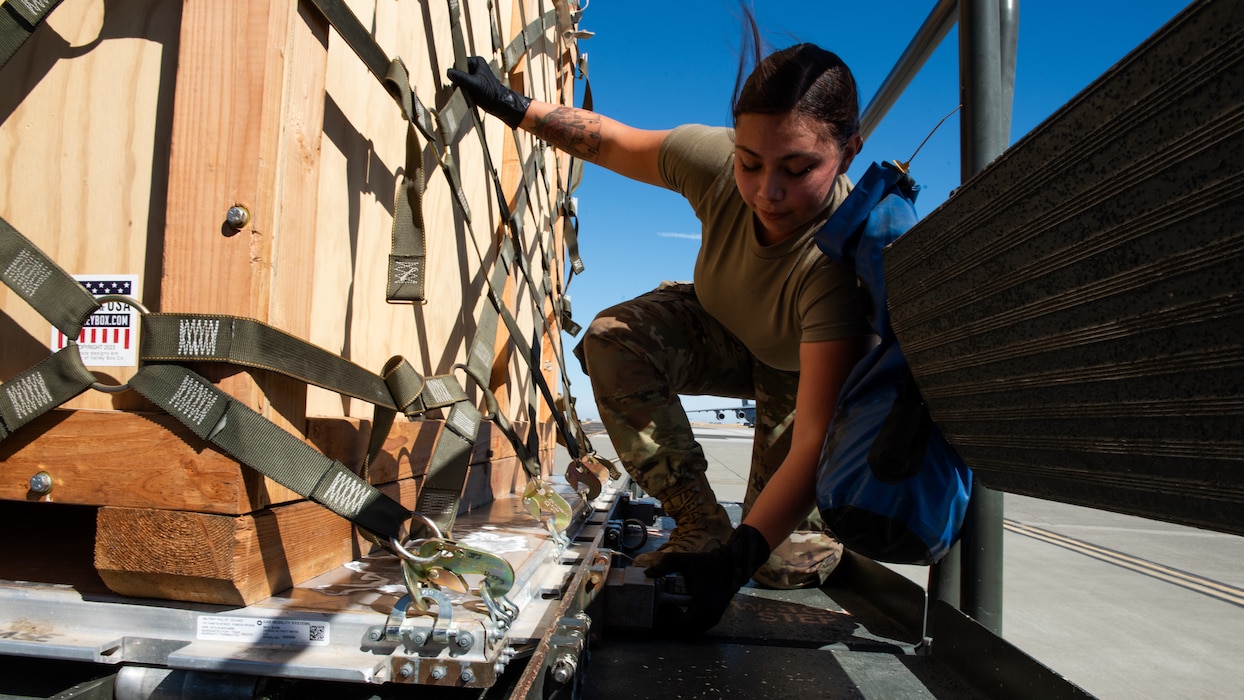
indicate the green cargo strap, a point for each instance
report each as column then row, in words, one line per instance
column 42, row 283
column 408, row 256
column 441, row 490
column 41, row 388
column 541, row 501
column 568, row 205
column 538, row 377
column 172, row 337
column 569, row 428
column 66, row 305
column 514, row 223
column 531, row 33
column 408, row 259
column 257, row 442
column 18, row 20
column 509, row 254
column 250, row 343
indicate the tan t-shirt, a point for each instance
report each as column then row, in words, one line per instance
column 771, row 297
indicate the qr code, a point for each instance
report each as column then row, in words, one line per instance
column 317, row 633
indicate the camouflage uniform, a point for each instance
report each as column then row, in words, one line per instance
column 640, row 355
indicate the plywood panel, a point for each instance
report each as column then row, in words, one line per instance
column 85, row 113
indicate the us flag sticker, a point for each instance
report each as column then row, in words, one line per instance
column 109, row 337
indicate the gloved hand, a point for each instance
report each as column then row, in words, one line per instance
column 488, row 92
column 712, row 578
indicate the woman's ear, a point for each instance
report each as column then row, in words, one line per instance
column 852, row 149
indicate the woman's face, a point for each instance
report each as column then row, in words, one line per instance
column 785, row 166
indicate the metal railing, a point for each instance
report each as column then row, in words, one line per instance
column 970, row 577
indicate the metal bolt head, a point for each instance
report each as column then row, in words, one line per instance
column 468, row 676
column 419, row 638
column 564, row 669
column 465, row 640
column 237, row 216
column 407, row 670
column 41, row 482
column 374, row 635
column 438, row 672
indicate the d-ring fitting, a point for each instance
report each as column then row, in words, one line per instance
column 128, row 301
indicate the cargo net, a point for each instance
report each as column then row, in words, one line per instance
column 533, row 231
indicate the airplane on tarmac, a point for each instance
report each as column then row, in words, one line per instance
column 745, row 412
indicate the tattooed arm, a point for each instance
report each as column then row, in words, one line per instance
column 597, row 139
column 587, row 135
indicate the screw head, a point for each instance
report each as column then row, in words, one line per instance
column 438, row 672
column 237, row 216
column 468, row 676
column 465, row 640
column 407, row 670
column 41, row 482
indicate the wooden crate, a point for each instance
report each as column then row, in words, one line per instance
column 128, row 130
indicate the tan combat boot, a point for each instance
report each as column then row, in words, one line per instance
column 700, row 523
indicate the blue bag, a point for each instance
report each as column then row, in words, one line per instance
column 888, row 485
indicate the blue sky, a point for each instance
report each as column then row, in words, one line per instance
column 658, row 65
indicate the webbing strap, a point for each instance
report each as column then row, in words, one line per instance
column 441, row 490
column 41, row 388
column 206, row 410
column 510, row 57
column 62, row 301
column 408, row 259
column 255, row 441
column 250, row 343
column 564, row 428
column 495, row 286
column 173, row 337
column 42, row 283
column 530, row 34
column 408, row 256
column 18, row 20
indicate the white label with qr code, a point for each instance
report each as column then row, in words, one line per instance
column 262, row 630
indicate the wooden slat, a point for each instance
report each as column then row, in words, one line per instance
column 245, row 130
column 151, row 461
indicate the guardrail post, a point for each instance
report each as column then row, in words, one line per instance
column 987, row 35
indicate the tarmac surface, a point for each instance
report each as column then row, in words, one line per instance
column 1124, row 607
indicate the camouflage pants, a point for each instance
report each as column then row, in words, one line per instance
column 641, row 354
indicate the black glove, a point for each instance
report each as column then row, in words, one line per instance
column 488, row 92
column 712, row 579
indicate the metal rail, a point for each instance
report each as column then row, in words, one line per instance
column 970, row 577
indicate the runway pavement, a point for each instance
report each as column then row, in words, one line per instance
column 1125, row 607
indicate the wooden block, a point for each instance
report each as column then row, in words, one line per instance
column 228, row 560
column 130, row 460
column 150, row 460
